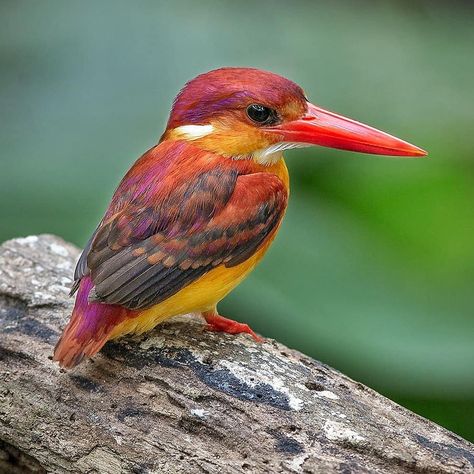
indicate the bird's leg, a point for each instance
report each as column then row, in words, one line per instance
column 216, row 322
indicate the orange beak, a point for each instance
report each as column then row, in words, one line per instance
column 321, row 127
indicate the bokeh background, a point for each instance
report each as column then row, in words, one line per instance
column 373, row 269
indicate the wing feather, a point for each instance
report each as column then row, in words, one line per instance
column 152, row 244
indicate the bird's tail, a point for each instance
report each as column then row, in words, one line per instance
column 88, row 329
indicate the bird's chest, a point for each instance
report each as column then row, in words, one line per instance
column 279, row 169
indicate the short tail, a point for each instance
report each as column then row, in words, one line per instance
column 88, row 329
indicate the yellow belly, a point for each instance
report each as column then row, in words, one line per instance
column 204, row 293
column 199, row 296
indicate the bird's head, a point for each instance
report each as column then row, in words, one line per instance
column 249, row 113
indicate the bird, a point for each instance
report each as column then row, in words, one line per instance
column 197, row 212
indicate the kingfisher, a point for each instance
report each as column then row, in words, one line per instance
column 197, row 212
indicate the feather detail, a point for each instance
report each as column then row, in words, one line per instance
column 88, row 329
column 271, row 154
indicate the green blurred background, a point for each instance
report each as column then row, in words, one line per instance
column 373, row 269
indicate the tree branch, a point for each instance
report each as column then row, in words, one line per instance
column 181, row 399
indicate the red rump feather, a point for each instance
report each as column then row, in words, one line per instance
column 89, row 327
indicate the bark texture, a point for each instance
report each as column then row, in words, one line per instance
column 181, row 399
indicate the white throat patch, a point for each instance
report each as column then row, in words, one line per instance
column 274, row 153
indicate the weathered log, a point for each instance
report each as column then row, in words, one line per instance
column 182, row 399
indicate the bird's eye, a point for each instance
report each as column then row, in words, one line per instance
column 261, row 114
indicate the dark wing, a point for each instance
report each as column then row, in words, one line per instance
column 151, row 249
column 81, row 269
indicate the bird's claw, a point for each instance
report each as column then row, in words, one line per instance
column 218, row 323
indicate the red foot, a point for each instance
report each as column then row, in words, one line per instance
column 218, row 323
